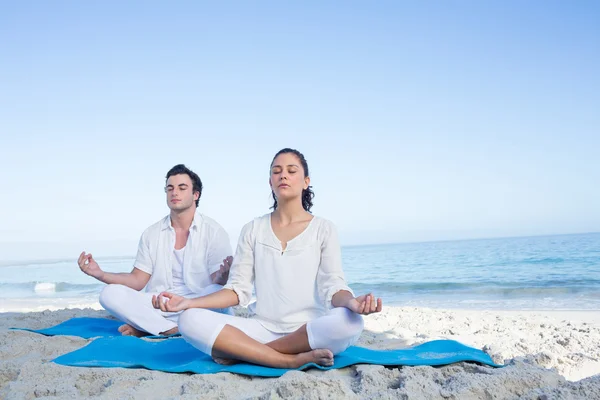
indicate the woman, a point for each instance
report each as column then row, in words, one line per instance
column 304, row 311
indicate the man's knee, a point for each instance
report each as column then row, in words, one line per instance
column 111, row 296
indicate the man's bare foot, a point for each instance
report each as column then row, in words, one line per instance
column 225, row 361
column 128, row 330
column 170, row 332
column 322, row 357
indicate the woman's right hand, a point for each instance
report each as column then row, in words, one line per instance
column 169, row 302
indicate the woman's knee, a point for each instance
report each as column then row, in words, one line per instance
column 350, row 323
column 200, row 327
column 194, row 320
column 188, row 320
column 336, row 331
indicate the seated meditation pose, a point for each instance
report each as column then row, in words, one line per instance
column 304, row 311
column 186, row 253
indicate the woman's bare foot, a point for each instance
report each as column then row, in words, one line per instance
column 128, row 330
column 322, row 357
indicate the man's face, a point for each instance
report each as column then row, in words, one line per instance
column 180, row 193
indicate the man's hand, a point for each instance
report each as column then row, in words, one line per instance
column 169, row 302
column 89, row 266
column 365, row 304
column 220, row 277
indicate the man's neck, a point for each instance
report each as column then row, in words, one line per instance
column 183, row 220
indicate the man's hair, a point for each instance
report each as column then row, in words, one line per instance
column 196, row 182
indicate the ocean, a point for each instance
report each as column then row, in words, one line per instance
column 526, row 273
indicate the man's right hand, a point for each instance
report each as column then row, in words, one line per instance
column 89, row 266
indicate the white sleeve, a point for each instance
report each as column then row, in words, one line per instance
column 143, row 262
column 219, row 248
column 241, row 275
column 330, row 278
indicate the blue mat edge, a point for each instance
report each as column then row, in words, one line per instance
column 262, row 371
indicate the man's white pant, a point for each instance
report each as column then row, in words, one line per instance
column 135, row 308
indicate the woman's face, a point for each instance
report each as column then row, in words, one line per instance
column 287, row 177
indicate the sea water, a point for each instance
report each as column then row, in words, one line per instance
column 526, row 273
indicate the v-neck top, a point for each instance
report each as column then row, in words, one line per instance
column 293, row 286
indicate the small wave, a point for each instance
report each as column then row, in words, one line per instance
column 45, row 287
column 50, row 287
column 492, row 289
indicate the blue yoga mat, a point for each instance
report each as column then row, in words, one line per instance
column 177, row 355
column 86, row 328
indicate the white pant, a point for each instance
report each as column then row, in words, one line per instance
column 135, row 308
column 337, row 330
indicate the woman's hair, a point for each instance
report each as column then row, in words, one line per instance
column 307, row 194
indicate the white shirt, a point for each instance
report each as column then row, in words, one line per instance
column 179, row 286
column 206, row 247
column 293, row 286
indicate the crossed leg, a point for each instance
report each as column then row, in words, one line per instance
column 229, row 339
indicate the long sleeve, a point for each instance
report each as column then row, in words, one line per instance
column 330, row 277
column 241, row 276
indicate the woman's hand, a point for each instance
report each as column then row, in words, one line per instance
column 169, row 302
column 365, row 304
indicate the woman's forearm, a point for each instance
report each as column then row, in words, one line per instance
column 222, row 299
column 341, row 298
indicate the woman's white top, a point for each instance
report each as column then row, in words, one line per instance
column 293, row 286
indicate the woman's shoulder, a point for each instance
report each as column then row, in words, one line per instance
column 323, row 226
column 256, row 224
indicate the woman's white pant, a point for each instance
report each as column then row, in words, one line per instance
column 337, row 330
column 135, row 308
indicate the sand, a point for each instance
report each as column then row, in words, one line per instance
column 549, row 355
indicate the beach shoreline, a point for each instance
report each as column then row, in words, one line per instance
column 552, row 353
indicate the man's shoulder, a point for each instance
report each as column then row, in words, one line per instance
column 207, row 224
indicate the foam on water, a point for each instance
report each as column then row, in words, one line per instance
column 45, row 287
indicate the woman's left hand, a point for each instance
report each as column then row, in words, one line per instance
column 365, row 304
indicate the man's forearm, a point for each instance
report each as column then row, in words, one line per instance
column 124, row 278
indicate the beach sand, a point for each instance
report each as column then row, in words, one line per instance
column 549, row 355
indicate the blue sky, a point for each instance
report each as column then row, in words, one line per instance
column 420, row 120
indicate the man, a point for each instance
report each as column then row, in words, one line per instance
column 186, row 253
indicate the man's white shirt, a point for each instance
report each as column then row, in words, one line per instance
column 207, row 245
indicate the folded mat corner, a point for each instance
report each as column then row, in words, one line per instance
column 87, row 328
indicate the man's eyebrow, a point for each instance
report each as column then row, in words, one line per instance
column 182, row 184
column 169, row 185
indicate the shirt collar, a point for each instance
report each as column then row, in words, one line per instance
column 166, row 223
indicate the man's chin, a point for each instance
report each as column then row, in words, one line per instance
column 178, row 207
